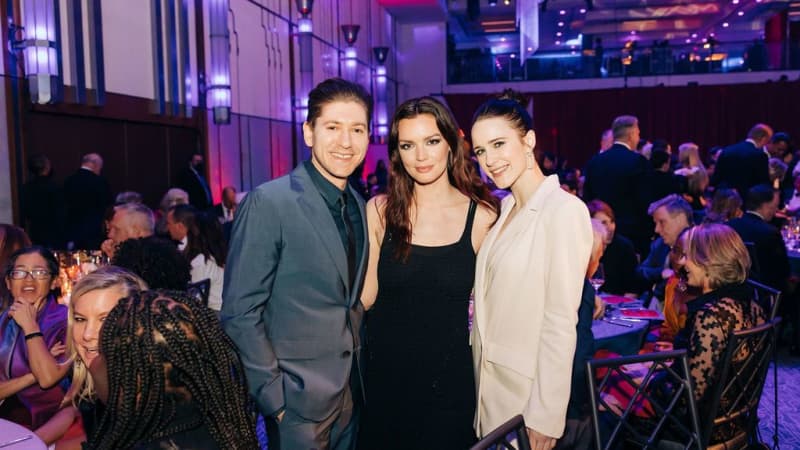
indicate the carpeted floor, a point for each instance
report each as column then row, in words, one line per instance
column 788, row 404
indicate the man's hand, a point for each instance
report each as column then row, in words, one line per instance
column 540, row 441
column 109, row 248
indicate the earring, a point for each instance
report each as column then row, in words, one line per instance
column 530, row 160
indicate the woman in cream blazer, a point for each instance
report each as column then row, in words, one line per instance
column 528, row 282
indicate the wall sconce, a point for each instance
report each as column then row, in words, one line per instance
column 350, row 33
column 219, row 88
column 381, row 115
column 304, row 7
column 39, row 45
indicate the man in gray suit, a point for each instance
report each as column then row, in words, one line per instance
column 293, row 279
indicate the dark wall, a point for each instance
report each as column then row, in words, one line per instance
column 141, row 152
column 569, row 123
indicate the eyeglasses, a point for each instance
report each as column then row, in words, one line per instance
column 36, row 274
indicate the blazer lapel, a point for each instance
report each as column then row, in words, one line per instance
column 482, row 263
column 313, row 206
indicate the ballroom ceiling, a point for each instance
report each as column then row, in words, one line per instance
column 614, row 21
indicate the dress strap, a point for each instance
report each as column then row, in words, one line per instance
column 467, row 235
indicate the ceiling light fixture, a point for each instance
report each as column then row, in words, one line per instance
column 561, row 24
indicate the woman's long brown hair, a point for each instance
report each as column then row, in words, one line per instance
column 461, row 172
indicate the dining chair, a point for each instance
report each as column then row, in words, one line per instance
column 647, row 417
column 769, row 298
column 511, row 435
column 731, row 416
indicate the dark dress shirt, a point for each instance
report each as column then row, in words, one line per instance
column 331, row 194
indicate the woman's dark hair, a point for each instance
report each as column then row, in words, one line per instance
column 49, row 258
column 12, row 238
column 460, row 171
column 509, row 105
column 166, row 353
column 157, row 261
column 337, row 89
column 203, row 234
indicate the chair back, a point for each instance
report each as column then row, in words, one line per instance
column 768, row 298
column 200, row 290
column 511, row 435
column 672, row 415
column 737, row 391
column 755, row 265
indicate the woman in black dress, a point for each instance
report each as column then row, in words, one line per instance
column 424, row 235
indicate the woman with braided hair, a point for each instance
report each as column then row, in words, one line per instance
column 175, row 379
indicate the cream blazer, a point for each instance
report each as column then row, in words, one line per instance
column 528, row 285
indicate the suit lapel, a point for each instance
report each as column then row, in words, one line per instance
column 318, row 215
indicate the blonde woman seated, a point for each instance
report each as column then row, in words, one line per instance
column 93, row 297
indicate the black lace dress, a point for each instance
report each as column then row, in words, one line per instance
column 420, row 388
column 711, row 319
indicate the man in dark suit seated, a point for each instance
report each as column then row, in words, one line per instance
column 293, row 277
column 744, row 165
column 225, row 209
column 672, row 214
column 619, row 177
column 87, row 195
column 761, row 205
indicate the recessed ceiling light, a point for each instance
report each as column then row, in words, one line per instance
column 562, row 12
column 558, row 33
column 502, row 39
column 583, row 10
column 740, row 13
column 633, row 31
column 694, row 35
column 561, row 24
column 688, row 41
column 725, row 25
column 735, row 2
column 513, row 56
column 558, row 42
column 507, row 2
column 530, row 49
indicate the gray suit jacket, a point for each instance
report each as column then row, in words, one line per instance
column 286, row 303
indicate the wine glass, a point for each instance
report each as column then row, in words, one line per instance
column 598, row 278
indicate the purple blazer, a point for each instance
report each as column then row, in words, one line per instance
column 52, row 319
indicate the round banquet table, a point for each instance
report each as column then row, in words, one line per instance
column 17, row 437
column 619, row 338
